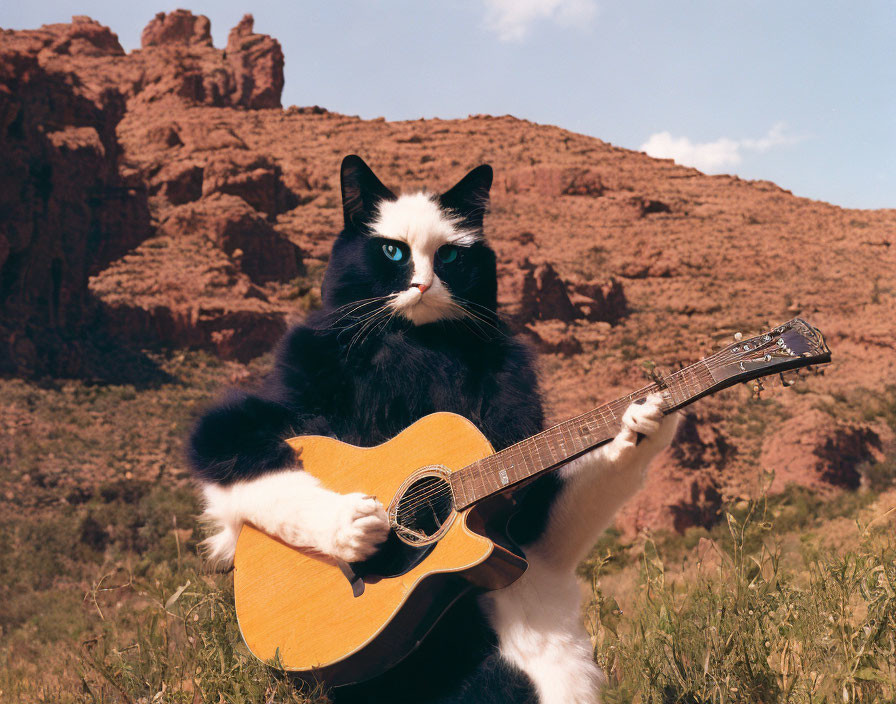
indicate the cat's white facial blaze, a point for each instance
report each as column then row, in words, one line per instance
column 418, row 221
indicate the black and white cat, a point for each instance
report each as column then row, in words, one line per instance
column 409, row 327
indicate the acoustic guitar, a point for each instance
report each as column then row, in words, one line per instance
column 449, row 496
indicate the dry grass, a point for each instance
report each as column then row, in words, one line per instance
column 757, row 615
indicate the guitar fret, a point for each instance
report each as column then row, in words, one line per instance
column 530, row 466
column 461, row 482
column 458, row 486
column 549, row 444
column 574, row 438
column 573, row 430
column 494, row 478
column 564, row 441
column 675, row 388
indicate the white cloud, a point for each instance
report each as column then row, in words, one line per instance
column 713, row 156
column 511, row 20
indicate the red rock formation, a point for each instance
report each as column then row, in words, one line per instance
column 65, row 210
column 545, row 297
column 178, row 59
column 600, row 300
column 255, row 178
column 257, row 64
column 178, row 28
column 68, row 204
column 232, row 225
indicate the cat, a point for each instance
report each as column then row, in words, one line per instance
column 409, row 326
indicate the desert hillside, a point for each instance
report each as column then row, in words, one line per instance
column 164, row 199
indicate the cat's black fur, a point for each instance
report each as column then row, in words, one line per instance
column 364, row 389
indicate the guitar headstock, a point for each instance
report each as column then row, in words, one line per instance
column 791, row 345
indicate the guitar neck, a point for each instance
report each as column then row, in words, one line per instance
column 570, row 439
column 791, row 345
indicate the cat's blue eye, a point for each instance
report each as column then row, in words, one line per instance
column 448, row 253
column 393, row 252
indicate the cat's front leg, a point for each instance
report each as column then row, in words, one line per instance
column 597, row 484
column 293, row 505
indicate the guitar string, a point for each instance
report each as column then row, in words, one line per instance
column 440, row 482
column 438, row 504
column 716, row 361
column 444, row 495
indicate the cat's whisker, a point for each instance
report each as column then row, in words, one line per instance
column 355, row 306
column 370, row 323
column 358, row 323
column 485, row 310
column 469, row 321
column 363, row 318
column 470, row 325
column 473, row 303
column 477, row 329
column 472, row 315
column 352, row 305
column 380, row 326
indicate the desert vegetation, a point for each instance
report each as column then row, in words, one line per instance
column 786, row 598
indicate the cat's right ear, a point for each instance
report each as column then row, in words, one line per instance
column 361, row 191
column 469, row 197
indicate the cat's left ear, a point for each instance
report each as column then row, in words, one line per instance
column 469, row 198
column 362, row 191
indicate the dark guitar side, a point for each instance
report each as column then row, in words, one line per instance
column 300, row 608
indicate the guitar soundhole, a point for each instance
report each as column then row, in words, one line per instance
column 424, row 511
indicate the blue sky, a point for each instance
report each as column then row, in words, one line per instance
column 799, row 93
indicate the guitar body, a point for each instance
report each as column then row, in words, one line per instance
column 321, row 619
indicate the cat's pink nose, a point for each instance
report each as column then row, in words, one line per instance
column 422, row 287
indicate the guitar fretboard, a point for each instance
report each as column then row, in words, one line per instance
column 565, row 441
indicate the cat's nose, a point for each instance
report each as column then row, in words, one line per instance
column 422, row 287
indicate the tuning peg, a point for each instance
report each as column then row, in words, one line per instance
column 758, row 388
column 785, row 382
column 658, row 376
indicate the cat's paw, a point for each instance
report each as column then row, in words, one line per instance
column 643, row 426
column 360, row 526
column 648, row 421
column 644, row 418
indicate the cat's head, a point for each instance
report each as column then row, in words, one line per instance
column 421, row 257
